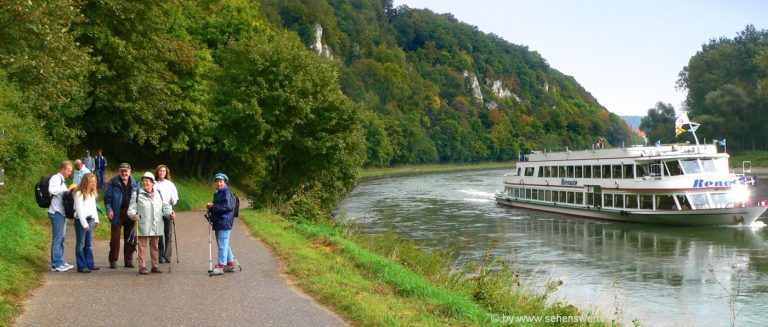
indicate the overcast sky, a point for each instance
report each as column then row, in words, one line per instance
column 626, row 53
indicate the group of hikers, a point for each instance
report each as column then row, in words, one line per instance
column 141, row 210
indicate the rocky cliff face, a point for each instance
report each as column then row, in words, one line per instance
column 321, row 48
column 474, row 86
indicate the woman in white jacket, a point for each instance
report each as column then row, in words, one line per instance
column 147, row 209
column 87, row 219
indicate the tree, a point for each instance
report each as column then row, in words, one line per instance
column 659, row 123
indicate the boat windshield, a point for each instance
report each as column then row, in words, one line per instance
column 722, row 200
column 699, row 201
column 691, row 166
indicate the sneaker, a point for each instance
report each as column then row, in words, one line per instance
column 61, row 268
column 229, row 268
column 144, row 271
column 86, row 270
column 217, row 271
column 112, row 264
column 68, row 266
column 95, row 268
column 156, row 271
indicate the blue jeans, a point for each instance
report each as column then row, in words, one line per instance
column 84, row 245
column 225, row 251
column 100, row 178
column 58, row 229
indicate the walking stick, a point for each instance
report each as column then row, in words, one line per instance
column 169, row 261
column 210, row 254
column 136, row 243
column 175, row 240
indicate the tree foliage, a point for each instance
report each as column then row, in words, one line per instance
column 727, row 83
column 659, row 123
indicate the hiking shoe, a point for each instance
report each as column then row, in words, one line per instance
column 156, row 271
column 229, row 269
column 144, row 271
column 68, row 266
column 113, row 265
column 86, row 270
column 95, row 268
column 129, row 264
column 61, row 268
column 217, row 271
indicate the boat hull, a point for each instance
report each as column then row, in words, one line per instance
column 706, row 217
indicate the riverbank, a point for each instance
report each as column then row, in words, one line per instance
column 375, row 173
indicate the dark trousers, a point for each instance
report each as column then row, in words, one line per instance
column 100, row 178
column 165, row 241
column 127, row 225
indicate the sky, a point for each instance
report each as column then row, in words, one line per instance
column 628, row 54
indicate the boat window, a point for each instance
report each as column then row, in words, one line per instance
column 570, row 171
column 547, row 171
column 554, row 196
column 541, row 171
column 618, row 201
column 529, row 171
column 547, row 195
column 518, row 171
column 641, row 171
column 689, row 166
column 665, row 202
column 587, row 171
column 709, row 165
column 561, row 169
column 646, row 201
column 683, row 201
column 579, row 198
column 722, row 200
column 596, row 172
column 590, row 199
column 516, row 192
column 630, row 201
column 628, row 171
column 608, row 200
column 541, row 194
column 700, row 201
column 527, row 193
column 616, row 172
column 606, row 171
column 562, row 197
column 673, row 168
column 655, row 168
column 570, row 197
column 534, row 195
column 578, row 172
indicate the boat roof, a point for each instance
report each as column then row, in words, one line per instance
column 636, row 152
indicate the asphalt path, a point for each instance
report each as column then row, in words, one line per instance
column 259, row 295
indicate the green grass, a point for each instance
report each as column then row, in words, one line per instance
column 371, row 173
column 24, row 245
column 758, row 158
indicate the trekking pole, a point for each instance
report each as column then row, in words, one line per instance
column 175, row 240
column 210, row 255
column 162, row 238
column 240, row 268
column 136, row 244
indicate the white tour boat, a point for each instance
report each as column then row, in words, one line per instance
column 663, row 184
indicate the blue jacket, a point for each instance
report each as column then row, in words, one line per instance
column 114, row 196
column 223, row 208
column 101, row 164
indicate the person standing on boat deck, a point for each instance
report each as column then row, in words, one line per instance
column 116, row 200
column 147, row 209
column 170, row 196
column 57, row 186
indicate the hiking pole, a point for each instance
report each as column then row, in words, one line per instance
column 162, row 238
column 210, row 255
column 235, row 259
column 136, row 244
column 175, row 240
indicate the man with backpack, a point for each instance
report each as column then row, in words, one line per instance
column 117, row 199
column 57, row 186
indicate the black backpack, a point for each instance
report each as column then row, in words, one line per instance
column 236, row 211
column 42, row 196
column 69, row 204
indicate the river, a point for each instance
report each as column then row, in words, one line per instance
column 661, row 276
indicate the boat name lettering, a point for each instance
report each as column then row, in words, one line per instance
column 705, row 183
column 569, row 183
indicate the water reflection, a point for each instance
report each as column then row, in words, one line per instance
column 661, row 275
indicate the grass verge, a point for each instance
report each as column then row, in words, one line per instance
column 373, row 173
column 758, row 159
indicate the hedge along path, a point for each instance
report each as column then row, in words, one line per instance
column 257, row 295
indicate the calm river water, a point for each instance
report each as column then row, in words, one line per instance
column 663, row 276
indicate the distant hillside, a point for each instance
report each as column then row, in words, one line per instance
column 436, row 89
column 633, row 121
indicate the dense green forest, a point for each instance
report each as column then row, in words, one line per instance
column 727, row 84
column 289, row 97
column 436, row 89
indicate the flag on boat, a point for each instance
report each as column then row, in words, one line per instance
column 722, row 142
column 683, row 124
column 658, row 143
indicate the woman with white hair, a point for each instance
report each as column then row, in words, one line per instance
column 147, row 209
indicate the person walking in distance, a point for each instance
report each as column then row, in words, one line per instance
column 222, row 217
column 147, row 209
column 86, row 219
column 89, row 161
column 101, row 168
column 57, row 186
column 117, row 199
column 170, row 196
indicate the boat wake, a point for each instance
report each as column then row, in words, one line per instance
column 477, row 196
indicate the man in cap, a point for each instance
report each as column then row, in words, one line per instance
column 89, row 161
column 117, row 199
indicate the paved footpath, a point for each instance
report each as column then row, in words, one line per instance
column 256, row 296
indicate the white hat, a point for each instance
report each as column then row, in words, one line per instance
column 150, row 176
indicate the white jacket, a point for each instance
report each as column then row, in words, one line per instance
column 85, row 208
